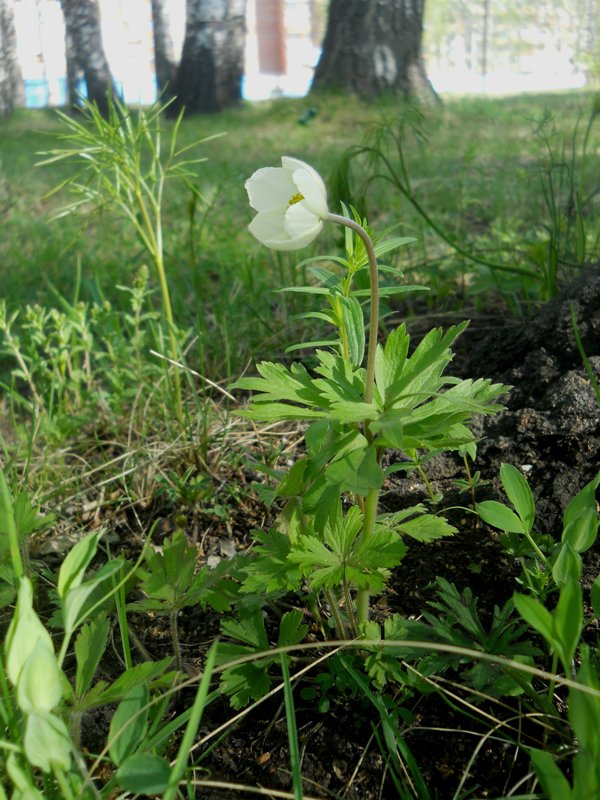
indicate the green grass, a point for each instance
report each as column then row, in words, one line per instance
column 474, row 164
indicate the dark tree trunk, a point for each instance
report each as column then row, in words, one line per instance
column 164, row 59
column 82, row 24
column 209, row 77
column 73, row 71
column 374, row 46
column 11, row 80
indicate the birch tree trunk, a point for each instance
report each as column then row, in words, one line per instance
column 210, row 73
column 82, row 24
column 11, row 80
column 164, row 58
column 374, row 46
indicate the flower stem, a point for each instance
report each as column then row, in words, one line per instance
column 372, row 499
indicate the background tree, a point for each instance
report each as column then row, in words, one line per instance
column 164, row 58
column 210, row 73
column 372, row 48
column 11, row 80
column 84, row 47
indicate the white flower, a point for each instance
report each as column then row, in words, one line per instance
column 291, row 201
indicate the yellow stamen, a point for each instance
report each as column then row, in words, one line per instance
column 296, row 199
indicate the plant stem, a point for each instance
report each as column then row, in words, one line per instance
column 335, row 612
column 371, row 502
column 362, row 600
column 175, row 639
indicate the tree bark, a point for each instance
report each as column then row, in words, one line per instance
column 373, row 47
column 164, row 59
column 82, row 26
column 11, row 79
column 209, row 77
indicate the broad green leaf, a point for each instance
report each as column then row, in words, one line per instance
column 89, row 649
column 294, row 482
column 584, row 500
column 567, row 565
column 568, row 622
column 358, row 472
column 129, row 724
column 551, row 779
column 500, row 516
column 76, row 562
column 144, row 773
column 47, row 743
column 519, row 493
column 536, row 615
column 74, row 603
column 581, row 532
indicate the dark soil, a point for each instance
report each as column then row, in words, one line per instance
column 551, row 431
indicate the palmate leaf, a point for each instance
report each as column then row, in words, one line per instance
column 269, row 570
column 417, row 523
column 343, row 555
column 408, row 379
column 251, row 680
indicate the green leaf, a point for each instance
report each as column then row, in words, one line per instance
column 584, row 709
column 552, row 780
column 144, row 773
column 584, row 500
column 581, row 532
column 354, row 328
column 567, row 565
column 129, row 724
column 423, row 528
column 536, row 615
column 74, row 603
column 568, row 622
column 291, row 629
column 149, row 673
column 500, row 516
column 245, row 682
column 76, row 562
column 358, row 472
column 89, row 649
column 250, row 628
column 519, row 493
column 269, row 569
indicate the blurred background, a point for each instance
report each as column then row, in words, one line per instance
column 469, row 46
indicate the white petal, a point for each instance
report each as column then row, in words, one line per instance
column 268, row 228
column 270, row 187
column 311, row 187
column 299, row 220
